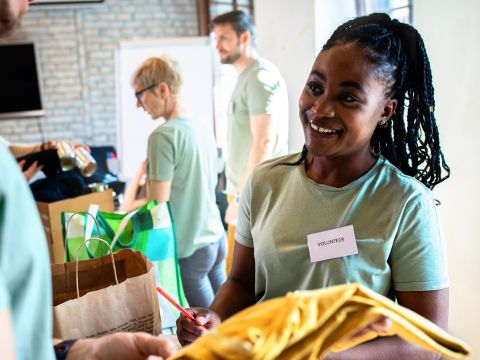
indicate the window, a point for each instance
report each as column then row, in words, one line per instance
column 208, row 9
column 397, row 9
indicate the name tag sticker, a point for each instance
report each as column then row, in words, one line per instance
column 332, row 244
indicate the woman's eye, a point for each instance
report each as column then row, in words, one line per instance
column 314, row 88
column 348, row 98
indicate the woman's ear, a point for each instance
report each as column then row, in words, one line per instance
column 388, row 110
column 163, row 90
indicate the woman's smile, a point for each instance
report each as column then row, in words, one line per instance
column 323, row 129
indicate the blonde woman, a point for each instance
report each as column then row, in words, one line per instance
column 182, row 169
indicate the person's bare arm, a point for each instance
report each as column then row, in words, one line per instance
column 19, row 150
column 132, row 346
column 159, row 190
column 237, row 293
column 7, row 344
column 130, row 201
column 432, row 305
column 31, row 171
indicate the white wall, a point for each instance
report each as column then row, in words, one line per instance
column 290, row 34
column 76, row 52
column 328, row 15
column 451, row 31
column 285, row 36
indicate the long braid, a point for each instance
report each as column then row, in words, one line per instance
column 409, row 141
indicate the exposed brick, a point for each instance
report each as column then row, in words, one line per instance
column 76, row 50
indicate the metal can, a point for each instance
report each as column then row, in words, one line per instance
column 85, row 162
column 66, row 155
column 97, row 187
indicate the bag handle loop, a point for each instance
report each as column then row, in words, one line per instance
column 76, row 265
column 66, row 231
column 122, row 226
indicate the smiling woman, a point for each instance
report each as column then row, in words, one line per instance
column 342, row 104
column 182, row 169
column 362, row 167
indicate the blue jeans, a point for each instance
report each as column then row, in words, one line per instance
column 203, row 273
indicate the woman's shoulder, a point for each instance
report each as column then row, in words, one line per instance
column 401, row 182
column 276, row 166
column 171, row 128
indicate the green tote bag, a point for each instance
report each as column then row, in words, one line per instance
column 149, row 229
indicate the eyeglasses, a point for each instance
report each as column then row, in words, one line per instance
column 138, row 94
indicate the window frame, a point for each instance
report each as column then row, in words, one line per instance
column 360, row 6
column 204, row 12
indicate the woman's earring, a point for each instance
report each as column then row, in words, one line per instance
column 383, row 123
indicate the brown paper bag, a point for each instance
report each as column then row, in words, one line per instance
column 103, row 306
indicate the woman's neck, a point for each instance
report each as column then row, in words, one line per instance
column 338, row 171
column 173, row 109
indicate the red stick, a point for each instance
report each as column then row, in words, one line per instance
column 174, row 303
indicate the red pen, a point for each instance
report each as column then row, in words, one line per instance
column 174, row 303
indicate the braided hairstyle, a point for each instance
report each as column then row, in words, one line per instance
column 409, row 141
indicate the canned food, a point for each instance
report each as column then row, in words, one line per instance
column 97, row 187
column 85, row 162
column 66, row 155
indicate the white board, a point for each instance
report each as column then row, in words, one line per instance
column 195, row 58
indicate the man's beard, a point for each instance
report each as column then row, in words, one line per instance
column 8, row 21
column 231, row 58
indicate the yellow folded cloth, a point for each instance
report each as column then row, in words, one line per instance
column 308, row 324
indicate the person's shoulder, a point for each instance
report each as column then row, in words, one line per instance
column 264, row 70
column 403, row 183
column 276, row 166
column 170, row 127
column 7, row 163
column 264, row 64
column 13, row 185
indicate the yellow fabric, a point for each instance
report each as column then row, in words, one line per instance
column 308, row 324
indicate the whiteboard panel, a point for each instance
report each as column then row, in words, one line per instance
column 194, row 56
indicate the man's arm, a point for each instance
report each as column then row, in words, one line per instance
column 432, row 305
column 19, row 150
column 260, row 125
column 159, row 190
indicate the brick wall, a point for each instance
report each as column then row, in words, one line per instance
column 76, row 50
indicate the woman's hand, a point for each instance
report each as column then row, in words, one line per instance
column 231, row 213
column 29, row 172
column 188, row 331
column 77, row 145
column 381, row 326
column 52, row 144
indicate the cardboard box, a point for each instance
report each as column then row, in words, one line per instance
column 50, row 213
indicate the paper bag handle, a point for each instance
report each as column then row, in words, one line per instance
column 66, row 230
column 78, row 252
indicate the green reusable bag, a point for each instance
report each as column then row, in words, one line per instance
column 149, row 229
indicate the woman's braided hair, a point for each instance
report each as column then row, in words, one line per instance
column 409, row 142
